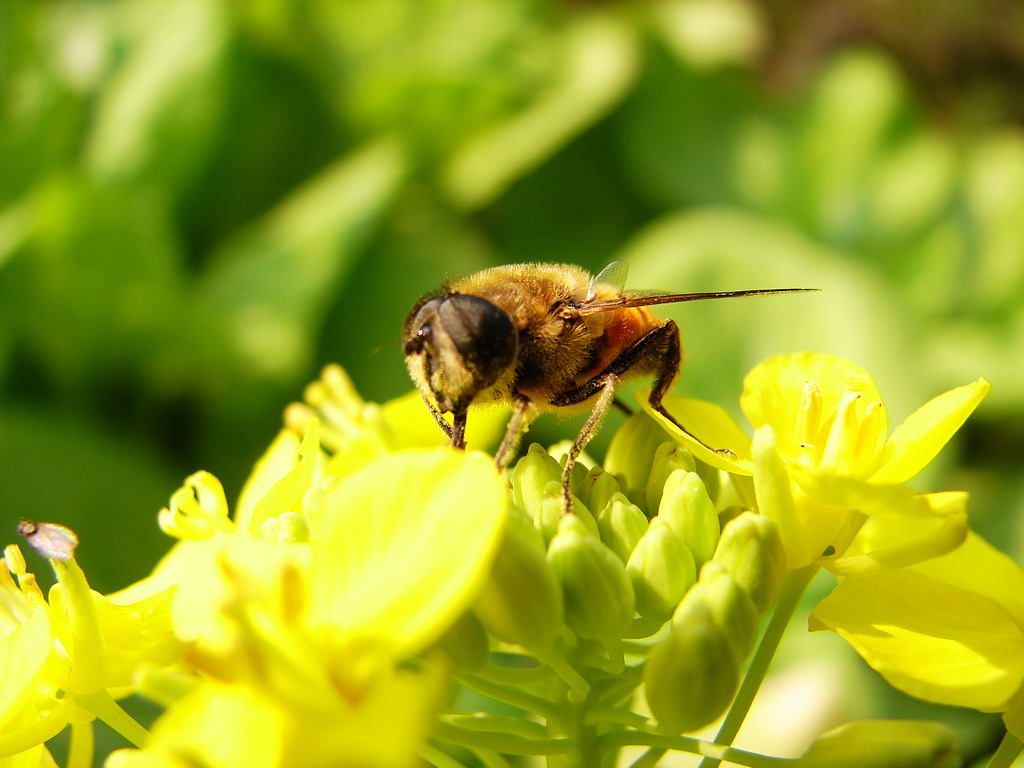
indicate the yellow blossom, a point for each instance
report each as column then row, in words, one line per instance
column 822, row 456
column 949, row 630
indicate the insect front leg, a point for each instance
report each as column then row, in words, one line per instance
column 518, row 423
column 444, row 425
column 458, row 434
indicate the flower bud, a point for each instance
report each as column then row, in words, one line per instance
column 686, row 506
column 731, row 607
column 599, row 600
column 531, row 476
column 712, row 479
column 752, row 552
column 599, row 487
column 521, row 601
column 465, row 643
column 551, row 510
column 661, row 569
column 631, row 453
column 690, row 676
column 884, row 744
column 621, row 524
column 669, row 457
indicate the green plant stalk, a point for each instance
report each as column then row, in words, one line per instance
column 500, row 742
column 694, row 746
column 1007, row 752
column 793, row 589
column 517, row 698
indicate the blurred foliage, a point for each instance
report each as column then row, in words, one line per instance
column 203, row 201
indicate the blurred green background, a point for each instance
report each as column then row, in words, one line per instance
column 204, row 201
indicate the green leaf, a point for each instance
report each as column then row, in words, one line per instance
column 272, row 282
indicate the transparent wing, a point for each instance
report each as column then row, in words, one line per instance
column 633, row 300
column 613, row 276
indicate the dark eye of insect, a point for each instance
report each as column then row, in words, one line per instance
column 483, row 334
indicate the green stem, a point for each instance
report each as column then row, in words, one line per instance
column 793, row 589
column 1007, row 752
column 512, row 726
column 439, row 759
column 517, row 698
column 500, row 742
column 693, row 746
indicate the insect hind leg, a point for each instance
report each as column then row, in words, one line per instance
column 671, row 358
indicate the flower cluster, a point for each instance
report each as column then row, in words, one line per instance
column 378, row 600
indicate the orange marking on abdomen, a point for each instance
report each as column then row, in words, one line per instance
column 625, row 327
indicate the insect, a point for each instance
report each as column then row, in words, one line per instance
column 542, row 337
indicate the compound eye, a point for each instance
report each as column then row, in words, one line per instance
column 416, row 344
column 482, row 333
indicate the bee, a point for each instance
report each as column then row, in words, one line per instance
column 542, row 337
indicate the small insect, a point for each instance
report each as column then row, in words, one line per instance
column 542, row 337
column 52, row 541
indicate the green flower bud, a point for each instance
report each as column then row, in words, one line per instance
column 551, row 511
column 631, row 453
column 599, row 487
column 521, row 600
column 686, row 506
column 621, row 525
column 531, row 476
column 599, row 600
column 731, row 607
column 662, row 570
column 668, row 458
column 465, row 643
column 752, row 552
column 884, row 744
column 712, row 479
column 690, row 676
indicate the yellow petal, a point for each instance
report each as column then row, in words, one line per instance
column 278, row 460
column 774, row 390
column 869, row 498
column 979, row 567
column 917, row 440
column 403, row 544
column 710, row 431
column 929, row 639
column 23, row 654
column 933, row 541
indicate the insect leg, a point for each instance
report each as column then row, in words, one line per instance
column 662, row 346
column 668, row 334
column 444, row 425
column 459, row 429
column 518, row 423
column 601, row 406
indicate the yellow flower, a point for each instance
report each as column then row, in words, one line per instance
column 949, row 630
column 822, row 451
column 301, row 644
column 61, row 660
